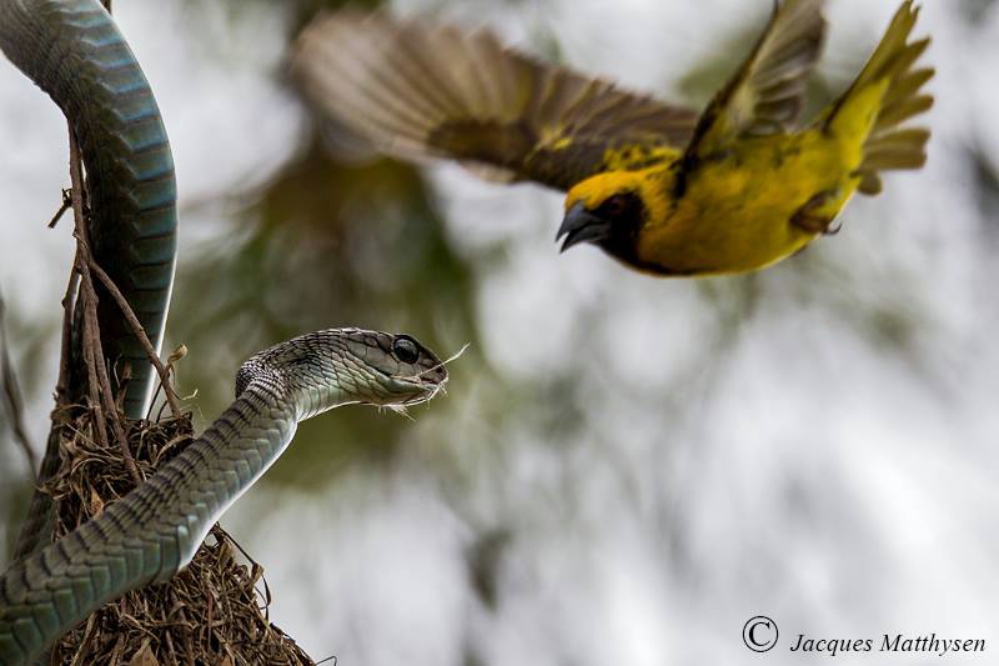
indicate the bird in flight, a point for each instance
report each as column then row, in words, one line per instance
column 661, row 188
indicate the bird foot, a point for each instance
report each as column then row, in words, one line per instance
column 807, row 219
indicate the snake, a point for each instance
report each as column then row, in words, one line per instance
column 73, row 50
column 153, row 532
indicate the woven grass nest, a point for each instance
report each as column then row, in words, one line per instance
column 213, row 613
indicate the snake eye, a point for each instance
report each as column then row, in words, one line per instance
column 405, row 349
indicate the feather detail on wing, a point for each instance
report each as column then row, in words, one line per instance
column 767, row 94
column 418, row 91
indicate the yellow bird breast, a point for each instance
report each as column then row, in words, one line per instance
column 753, row 206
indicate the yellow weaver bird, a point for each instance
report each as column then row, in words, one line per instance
column 656, row 186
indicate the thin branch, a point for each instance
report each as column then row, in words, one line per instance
column 12, row 395
column 140, row 334
column 76, row 195
column 67, row 202
column 122, row 378
column 98, row 382
column 68, row 305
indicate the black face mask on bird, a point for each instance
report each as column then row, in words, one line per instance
column 613, row 225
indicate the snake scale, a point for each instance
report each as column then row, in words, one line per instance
column 73, row 50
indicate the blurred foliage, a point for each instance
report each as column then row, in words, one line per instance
column 15, row 484
column 323, row 245
column 976, row 11
column 301, row 11
column 986, row 183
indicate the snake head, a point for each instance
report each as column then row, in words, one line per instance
column 340, row 366
column 405, row 372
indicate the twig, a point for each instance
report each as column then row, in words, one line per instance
column 67, row 202
column 92, row 340
column 92, row 383
column 98, row 382
column 139, row 333
column 12, row 394
column 68, row 305
column 123, row 378
column 76, row 195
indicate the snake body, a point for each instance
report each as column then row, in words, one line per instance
column 73, row 50
column 153, row 532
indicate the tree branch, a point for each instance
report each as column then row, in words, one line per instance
column 101, row 396
column 12, row 396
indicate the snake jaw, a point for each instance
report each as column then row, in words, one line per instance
column 434, row 387
column 422, row 387
column 434, row 379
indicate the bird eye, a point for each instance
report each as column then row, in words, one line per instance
column 405, row 349
column 615, row 206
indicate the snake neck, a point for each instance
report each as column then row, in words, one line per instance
column 312, row 371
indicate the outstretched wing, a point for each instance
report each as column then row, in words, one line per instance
column 418, row 91
column 768, row 92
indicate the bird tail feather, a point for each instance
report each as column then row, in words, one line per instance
column 887, row 93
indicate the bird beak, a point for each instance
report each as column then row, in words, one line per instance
column 581, row 226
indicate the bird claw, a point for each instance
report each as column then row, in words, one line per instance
column 806, row 219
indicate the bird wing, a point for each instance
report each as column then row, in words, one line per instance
column 418, row 91
column 767, row 94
